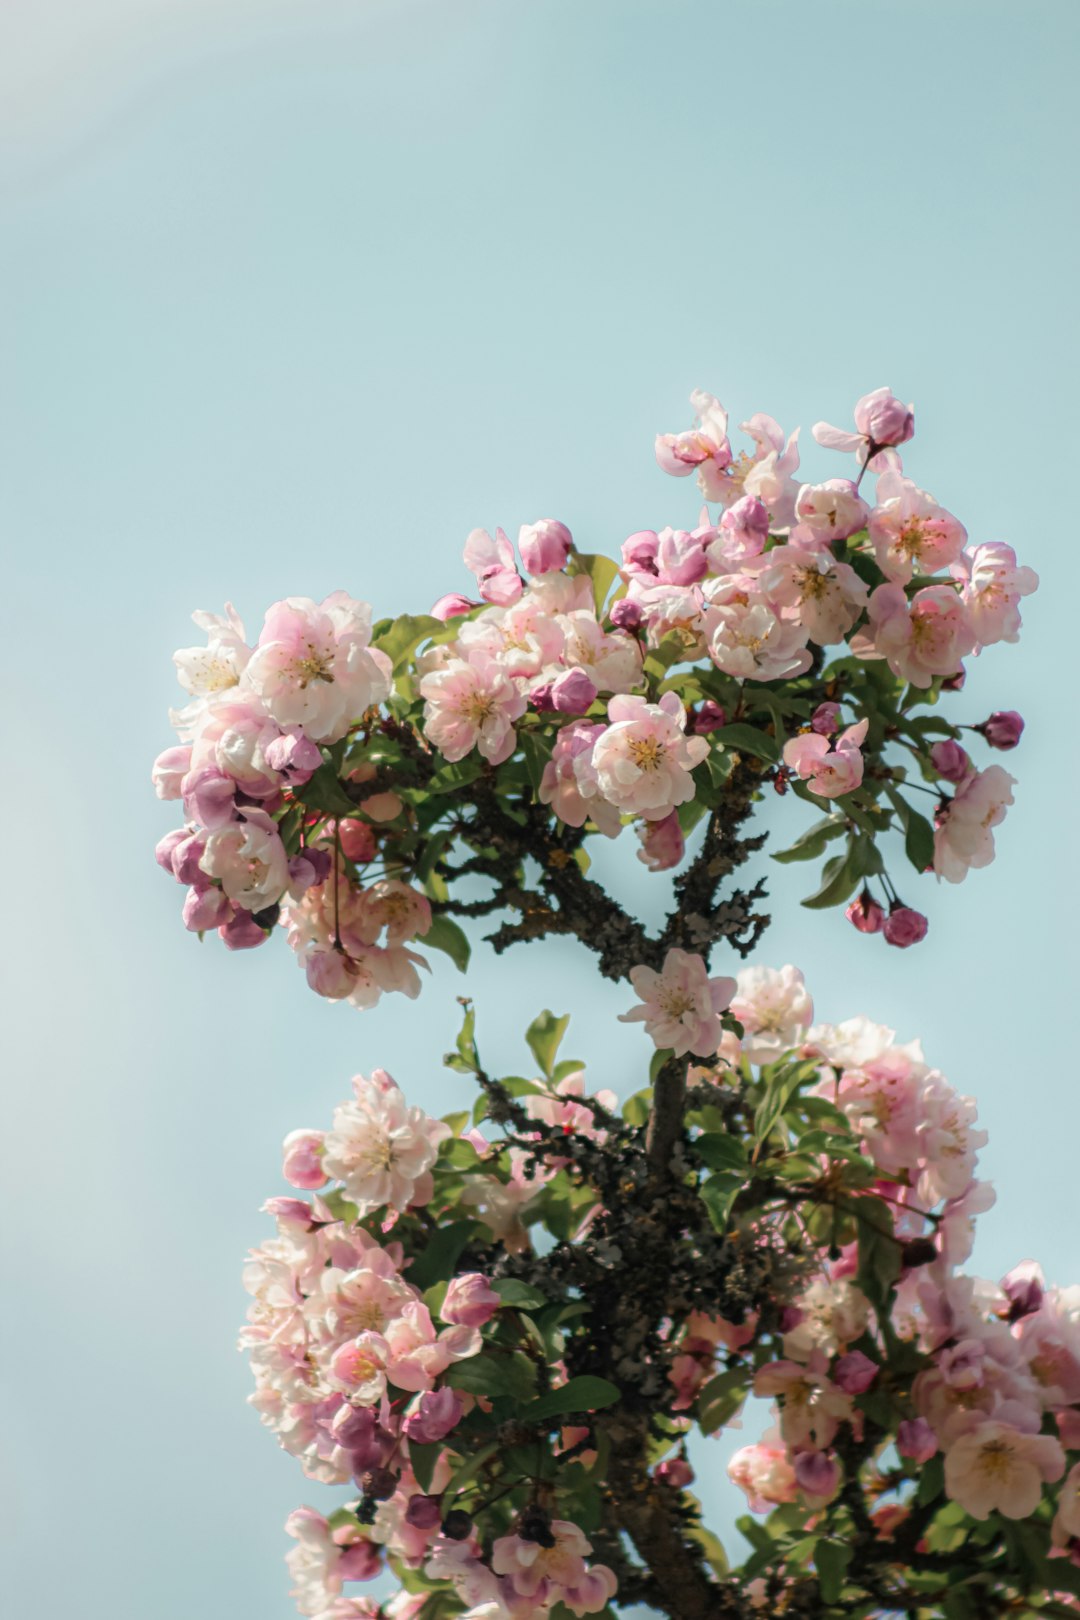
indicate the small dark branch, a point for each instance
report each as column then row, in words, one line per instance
column 666, row 1118
column 697, row 922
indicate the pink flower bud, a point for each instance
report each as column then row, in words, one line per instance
column 1003, row 729
column 1023, row 1288
column 625, row 614
column 308, row 869
column 209, row 798
column 544, row 546
column 951, row 761
column 470, row 1301
column 916, row 1439
column 424, row 1512
column 439, row 1411
column 708, row 716
column 357, row 840
column 186, row 858
column 295, row 755
column 866, row 914
column 662, row 843
column 884, row 419
column 855, row 1372
column 825, row 719
column 904, row 927
column 816, row 1473
column 639, row 552
column 572, row 692
column 452, row 607
column 205, row 909
column 169, row 771
column 301, row 1163
column 242, row 932
column 674, row 1471
column 293, row 1210
column 361, row 1561
column 163, row 849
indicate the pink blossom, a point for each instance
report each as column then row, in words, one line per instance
column 235, row 741
column 964, row 837
column 996, row 1467
column 314, row 665
column 774, row 1007
column 880, row 420
column 830, row 1315
column 741, row 534
column 544, row 546
column 681, row 1007
column 662, row 843
column 812, row 1407
column 854, row 1372
column 827, row 512
column 169, row 770
column 750, row 640
column 992, row 586
column 911, row 533
column 555, row 1573
column 680, row 555
column 248, row 858
column 704, row 449
column 380, row 1148
column 471, row 705
column 708, row 716
column 928, row 637
column 817, row 1475
column 830, row 772
column 561, row 1108
column 205, row 909
column 302, row 1161
column 570, row 693
column 641, row 762
column 765, row 1474
column 1066, row 1525
column 904, row 926
column 1023, row 1287
column 916, row 1439
column 826, row 719
column 823, row 595
column 396, row 907
column 610, row 660
column 493, row 564
column 470, row 1301
column 559, row 785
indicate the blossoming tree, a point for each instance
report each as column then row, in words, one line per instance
column 498, row 1330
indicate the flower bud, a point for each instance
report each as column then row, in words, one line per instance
column 301, row 1163
column 625, row 614
column 378, row 1483
column 242, row 932
column 951, row 761
column 708, row 716
column 544, row 546
column 163, row 849
column 747, row 521
column 816, row 1473
column 205, row 908
column 357, row 840
column 572, row 692
column 884, row 419
column 457, row 1526
column 675, row 1472
column 1003, row 729
column 662, row 843
column 470, row 1301
column 865, row 913
column 916, row 1439
column 452, row 607
column 920, row 1251
column 169, row 770
column 438, row 1411
column 423, row 1512
column 639, row 552
column 855, row 1372
column 1023, row 1288
column 904, row 927
column 825, row 719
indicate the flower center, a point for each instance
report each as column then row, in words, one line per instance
column 647, row 753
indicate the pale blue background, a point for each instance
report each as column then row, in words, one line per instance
column 294, row 296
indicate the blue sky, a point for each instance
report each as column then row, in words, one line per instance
column 295, row 296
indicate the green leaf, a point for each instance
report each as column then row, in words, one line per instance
column 780, row 1087
column 495, row 1373
column 812, row 843
column 445, row 935
column 441, row 1253
column 471, row 1466
column 423, row 1460
column 879, row 1252
column 831, row 1559
column 719, row 1193
column 721, row 1398
column 918, row 833
column 931, row 1481
column 749, row 740
column 402, row 635
column 544, row 1036
column 536, row 754
column 600, row 569
column 720, row 1151
column 323, row 791
column 450, row 778
column 584, row 1394
column 512, row 1291
column 838, row 881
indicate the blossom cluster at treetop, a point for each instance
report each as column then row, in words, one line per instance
column 500, row 1329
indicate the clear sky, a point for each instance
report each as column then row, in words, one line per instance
column 294, row 296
